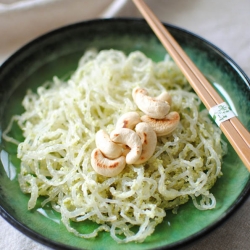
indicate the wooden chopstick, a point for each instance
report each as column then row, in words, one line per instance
column 233, row 129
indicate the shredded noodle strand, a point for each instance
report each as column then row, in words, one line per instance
column 59, row 126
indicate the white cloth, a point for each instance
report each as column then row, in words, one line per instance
column 225, row 23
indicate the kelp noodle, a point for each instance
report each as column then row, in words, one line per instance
column 59, row 126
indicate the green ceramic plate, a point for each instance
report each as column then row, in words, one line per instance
column 57, row 53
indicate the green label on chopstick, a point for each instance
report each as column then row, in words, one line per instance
column 221, row 113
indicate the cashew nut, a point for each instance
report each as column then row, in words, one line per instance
column 130, row 138
column 105, row 166
column 165, row 96
column 152, row 107
column 126, row 149
column 164, row 126
column 148, row 139
column 128, row 120
column 110, row 149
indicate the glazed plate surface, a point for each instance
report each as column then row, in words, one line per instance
column 57, row 53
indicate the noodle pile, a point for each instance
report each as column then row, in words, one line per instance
column 59, row 126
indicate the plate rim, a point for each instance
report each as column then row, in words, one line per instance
column 192, row 238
